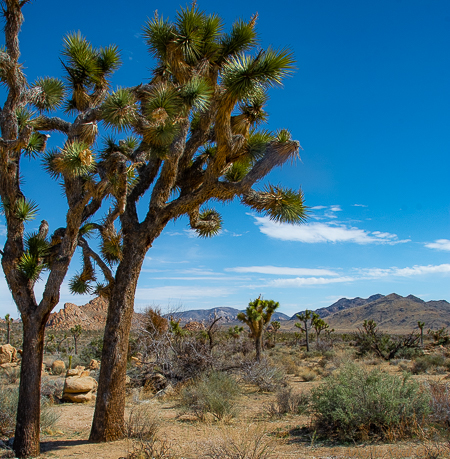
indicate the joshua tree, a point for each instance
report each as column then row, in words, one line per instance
column 257, row 316
column 85, row 181
column 196, row 140
column 235, row 332
column 319, row 325
column 76, row 333
column 8, row 321
column 421, row 325
column 276, row 325
column 306, row 319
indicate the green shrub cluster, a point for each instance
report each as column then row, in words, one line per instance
column 213, row 393
column 354, row 404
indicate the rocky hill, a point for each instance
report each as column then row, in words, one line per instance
column 342, row 304
column 228, row 314
column 91, row 316
column 393, row 313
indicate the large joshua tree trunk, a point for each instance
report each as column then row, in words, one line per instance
column 258, row 347
column 108, row 423
column 26, row 442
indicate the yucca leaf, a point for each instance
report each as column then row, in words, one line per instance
column 119, row 109
column 48, row 161
column 243, row 75
column 78, row 286
column 30, row 267
column 281, row 205
column 158, row 34
column 237, row 171
column 111, row 246
column 161, row 135
column 209, row 223
column 197, row 93
column 26, row 210
column 109, row 59
column 242, row 38
column 161, row 103
column 283, row 135
column 24, row 117
column 51, row 94
column 36, row 144
column 75, row 159
column 257, row 142
column 36, row 245
column 189, row 25
column 87, row 230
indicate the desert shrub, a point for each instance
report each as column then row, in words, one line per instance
column 248, row 443
column 52, row 388
column 92, row 350
column 142, row 423
column 354, row 404
column 307, row 375
column 440, row 402
column 213, row 393
column 191, row 358
column 8, row 408
column 263, row 374
column 288, row 402
column 426, row 363
column 10, row 375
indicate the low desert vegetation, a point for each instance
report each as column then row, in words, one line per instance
column 339, row 393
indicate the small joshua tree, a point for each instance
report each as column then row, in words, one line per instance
column 275, row 326
column 319, row 325
column 8, row 321
column 306, row 319
column 421, row 325
column 235, row 332
column 257, row 316
column 76, row 333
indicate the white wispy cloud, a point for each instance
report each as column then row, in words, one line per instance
column 440, row 244
column 179, row 292
column 279, row 270
column 416, row 270
column 359, row 205
column 312, row 233
column 302, row 281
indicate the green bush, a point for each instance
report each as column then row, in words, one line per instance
column 354, row 404
column 427, row 363
column 212, row 392
column 93, row 350
column 8, row 408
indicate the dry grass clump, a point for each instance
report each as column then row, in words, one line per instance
column 287, row 402
column 142, row 428
column 263, row 374
column 307, row 375
column 252, row 442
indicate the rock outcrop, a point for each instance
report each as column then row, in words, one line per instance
column 8, row 354
column 78, row 386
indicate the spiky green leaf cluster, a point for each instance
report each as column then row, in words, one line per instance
column 36, row 145
column 87, row 69
column 34, row 260
column 79, row 286
column 111, row 246
column 25, row 210
column 209, row 223
column 119, row 109
column 243, row 75
column 281, row 205
column 75, row 159
column 49, row 94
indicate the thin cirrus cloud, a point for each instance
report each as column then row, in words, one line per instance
column 440, row 244
column 312, row 233
column 363, row 274
column 279, row 271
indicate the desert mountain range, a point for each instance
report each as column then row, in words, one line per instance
column 392, row 313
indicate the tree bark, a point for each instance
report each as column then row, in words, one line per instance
column 307, row 336
column 258, row 347
column 108, row 423
column 26, row 441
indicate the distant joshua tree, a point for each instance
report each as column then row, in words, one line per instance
column 257, row 316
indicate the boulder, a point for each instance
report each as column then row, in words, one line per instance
column 8, row 353
column 77, row 384
column 79, row 398
column 155, row 382
column 94, row 365
column 58, row 367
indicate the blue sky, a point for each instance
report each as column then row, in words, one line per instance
column 369, row 103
